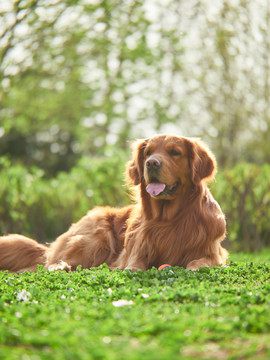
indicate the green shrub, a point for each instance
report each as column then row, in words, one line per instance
column 19, row 194
column 44, row 208
column 244, row 195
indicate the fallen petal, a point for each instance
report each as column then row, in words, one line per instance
column 120, row 303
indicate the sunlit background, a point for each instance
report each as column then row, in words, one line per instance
column 80, row 77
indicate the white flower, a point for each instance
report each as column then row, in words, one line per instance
column 23, row 295
column 106, row 339
column 121, row 303
column 145, row 296
column 109, row 291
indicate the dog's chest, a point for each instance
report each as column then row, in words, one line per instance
column 164, row 244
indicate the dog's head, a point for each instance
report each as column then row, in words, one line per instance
column 164, row 163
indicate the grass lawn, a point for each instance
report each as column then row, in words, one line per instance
column 219, row 313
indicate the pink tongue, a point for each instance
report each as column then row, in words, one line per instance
column 155, row 188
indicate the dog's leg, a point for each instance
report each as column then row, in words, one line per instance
column 126, row 261
column 61, row 265
column 136, row 267
column 203, row 262
column 19, row 253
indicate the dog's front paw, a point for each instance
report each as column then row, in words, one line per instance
column 62, row 266
column 133, row 268
column 197, row 264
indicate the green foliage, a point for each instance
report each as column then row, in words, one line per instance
column 84, row 79
column 20, row 190
column 77, row 77
column 169, row 314
column 243, row 192
column 45, row 208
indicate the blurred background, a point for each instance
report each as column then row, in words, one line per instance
column 81, row 78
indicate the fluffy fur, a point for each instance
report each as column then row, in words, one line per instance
column 181, row 226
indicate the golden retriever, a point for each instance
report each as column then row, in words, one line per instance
column 175, row 219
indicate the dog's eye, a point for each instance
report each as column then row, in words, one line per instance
column 174, row 152
column 148, row 153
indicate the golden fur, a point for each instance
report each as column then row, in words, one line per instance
column 182, row 225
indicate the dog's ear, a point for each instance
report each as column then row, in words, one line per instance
column 202, row 162
column 134, row 167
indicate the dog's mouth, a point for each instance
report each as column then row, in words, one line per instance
column 156, row 188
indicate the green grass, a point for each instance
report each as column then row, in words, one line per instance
column 218, row 313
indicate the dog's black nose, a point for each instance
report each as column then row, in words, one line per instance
column 153, row 163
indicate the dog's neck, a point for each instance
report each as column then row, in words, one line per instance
column 169, row 209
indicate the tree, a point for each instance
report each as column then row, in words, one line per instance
column 82, row 76
column 78, row 76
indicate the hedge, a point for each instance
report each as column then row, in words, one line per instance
column 44, row 208
column 243, row 192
